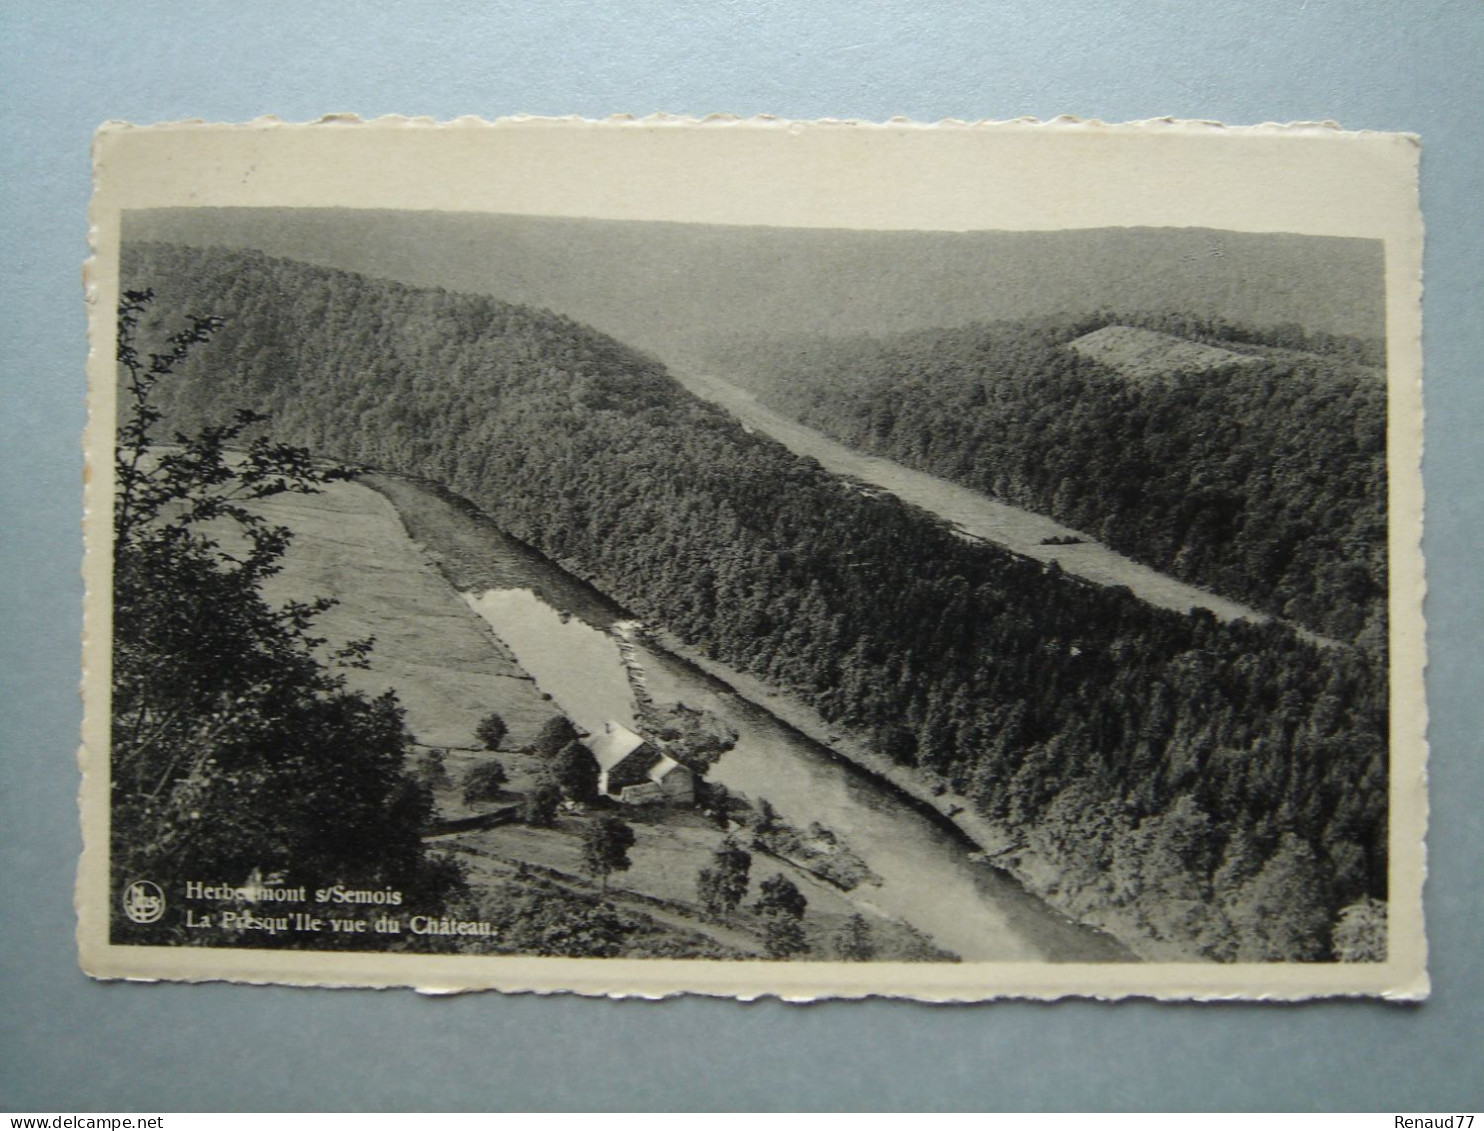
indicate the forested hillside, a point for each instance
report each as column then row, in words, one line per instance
column 1225, row 784
column 1263, row 479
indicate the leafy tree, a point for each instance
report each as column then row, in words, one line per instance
column 779, row 896
column 485, row 782
column 782, row 907
column 767, row 818
column 491, row 731
column 557, row 924
column 897, row 743
column 1281, row 913
column 1360, row 932
column 693, row 737
column 853, row 942
column 574, row 772
column 605, row 848
column 783, row 937
column 539, row 807
column 430, row 769
column 1239, row 864
column 234, row 747
column 717, row 802
column 723, row 885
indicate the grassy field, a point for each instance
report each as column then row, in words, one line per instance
column 448, row 669
column 1145, row 355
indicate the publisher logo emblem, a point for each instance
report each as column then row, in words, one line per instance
column 144, row 902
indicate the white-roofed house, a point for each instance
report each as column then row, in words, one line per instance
column 632, row 770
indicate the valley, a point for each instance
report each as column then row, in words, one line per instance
column 973, row 514
column 450, row 667
column 1017, row 732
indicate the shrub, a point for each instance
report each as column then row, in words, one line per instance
column 554, row 734
column 779, row 897
column 853, row 941
column 429, row 769
column 491, row 731
column 540, row 805
column 575, row 773
column 485, row 782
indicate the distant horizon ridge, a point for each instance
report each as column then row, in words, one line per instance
column 667, row 287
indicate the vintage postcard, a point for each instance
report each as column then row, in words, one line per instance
column 756, row 558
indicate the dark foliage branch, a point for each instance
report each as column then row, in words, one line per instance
column 235, row 749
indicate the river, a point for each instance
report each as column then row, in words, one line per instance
column 567, row 638
column 974, row 515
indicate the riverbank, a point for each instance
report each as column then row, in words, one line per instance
column 978, row 517
column 1014, row 924
column 540, row 614
column 995, row 844
column 449, row 671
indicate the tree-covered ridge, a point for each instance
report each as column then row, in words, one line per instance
column 1225, row 784
column 1263, row 479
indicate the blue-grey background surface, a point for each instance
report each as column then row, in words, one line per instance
column 69, row 1044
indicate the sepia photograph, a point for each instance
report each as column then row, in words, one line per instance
column 715, row 558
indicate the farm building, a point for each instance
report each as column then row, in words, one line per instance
column 632, row 770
